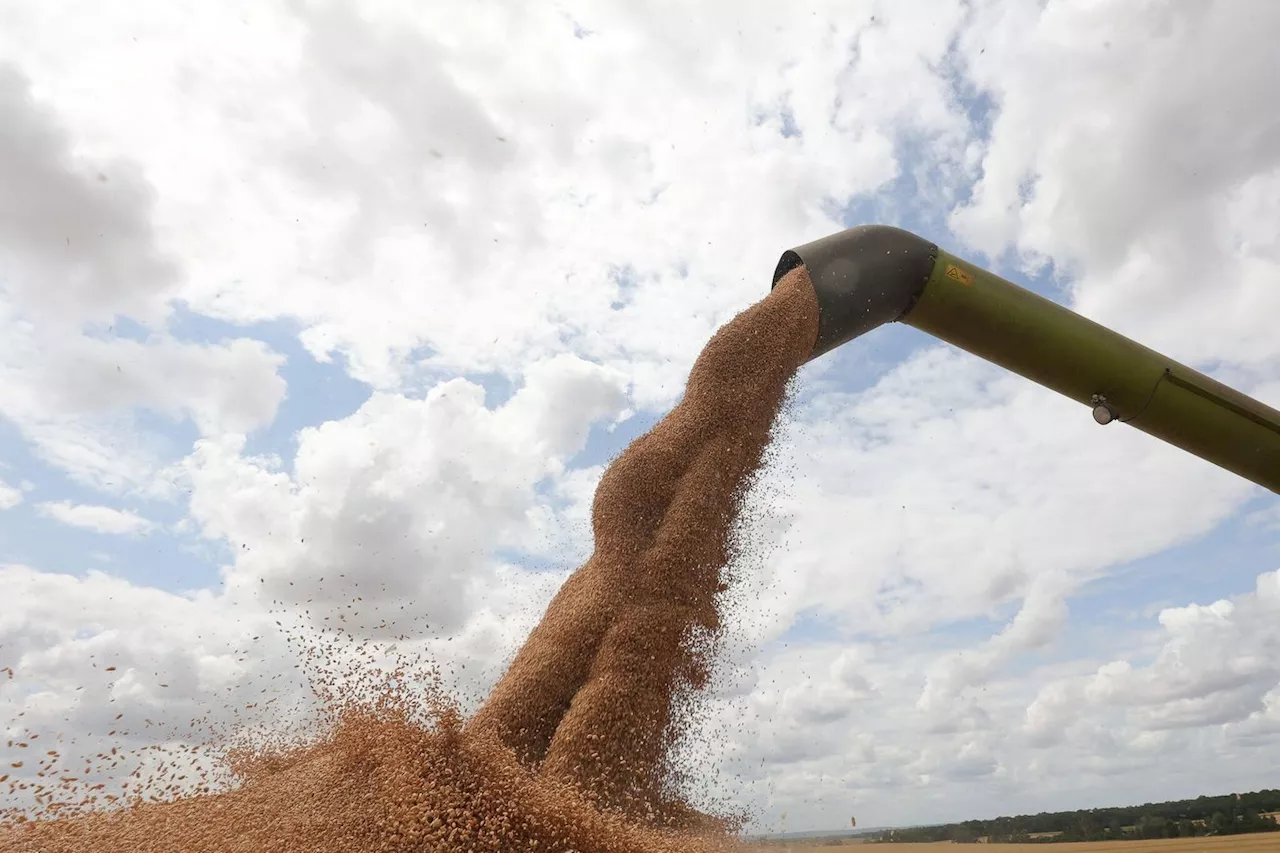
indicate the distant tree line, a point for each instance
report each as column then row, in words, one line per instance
column 1230, row 814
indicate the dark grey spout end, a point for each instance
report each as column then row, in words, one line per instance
column 864, row 277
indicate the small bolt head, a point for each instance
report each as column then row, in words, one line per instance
column 1102, row 414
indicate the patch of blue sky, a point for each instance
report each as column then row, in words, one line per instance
column 157, row 557
column 315, row 391
column 1224, row 563
column 787, row 122
column 18, row 463
column 120, row 327
column 811, row 628
column 538, row 563
column 603, row 443
column 498, row 388
column 580, row 31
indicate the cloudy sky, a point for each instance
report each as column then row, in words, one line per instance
column 334, row 312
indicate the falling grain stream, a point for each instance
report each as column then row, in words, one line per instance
column 572, row 749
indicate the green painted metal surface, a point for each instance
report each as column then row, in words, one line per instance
column 1034, row 337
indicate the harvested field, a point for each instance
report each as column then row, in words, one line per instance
column 1267, row 842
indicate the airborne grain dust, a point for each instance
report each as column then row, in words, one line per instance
column 571, row 750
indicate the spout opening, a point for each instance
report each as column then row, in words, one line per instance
column 863, row 277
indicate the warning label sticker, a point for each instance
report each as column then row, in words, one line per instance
column 954, row 273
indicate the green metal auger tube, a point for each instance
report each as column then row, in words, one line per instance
column 875, row 274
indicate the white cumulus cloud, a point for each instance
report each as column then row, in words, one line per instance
column 9, row 496
column 100, row 519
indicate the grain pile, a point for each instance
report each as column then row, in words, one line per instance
column 571, row 751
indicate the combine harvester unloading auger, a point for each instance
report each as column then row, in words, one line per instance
column 875, row 274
